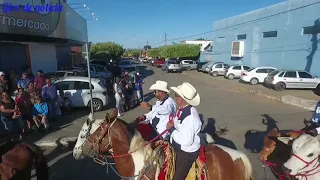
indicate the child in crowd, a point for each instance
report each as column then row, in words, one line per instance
column 40, row 113
column 64, row 102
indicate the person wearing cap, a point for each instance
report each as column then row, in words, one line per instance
column 3, row 82
column 158, row 115
column 184, row 130
column 24, row 81
column 40, row 111
column 39, row 80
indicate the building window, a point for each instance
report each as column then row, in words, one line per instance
column 311, row 30
column 241, row 37
column 270, row 34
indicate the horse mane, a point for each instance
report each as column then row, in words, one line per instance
column 130, row 130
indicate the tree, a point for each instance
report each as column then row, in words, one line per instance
column 179, row 50
column 154, row 52
column 133, row 52
column 106, row 51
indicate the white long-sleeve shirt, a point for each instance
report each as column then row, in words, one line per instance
column 185, row 133
column 159, row 114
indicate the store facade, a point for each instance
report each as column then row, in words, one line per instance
column 39, row 40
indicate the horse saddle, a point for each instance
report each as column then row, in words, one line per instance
column 98, row 142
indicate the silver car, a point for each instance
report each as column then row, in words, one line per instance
column 188, row 65
column 172, row 66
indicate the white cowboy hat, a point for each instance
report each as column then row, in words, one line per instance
column 2, row 73
column 188, row 93
column 161, row 86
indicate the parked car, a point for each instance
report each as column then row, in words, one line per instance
column 199, row 65
column 125, row 63
column 145, row 60
column 288, row 79
column 171, row 66
column 256, row 75
column 188, row 65
column 60, row 74
column 158, row 62
column 130, row 68
column 206, row 67
column 235, row 71
column 78, row 91
column 218, row 69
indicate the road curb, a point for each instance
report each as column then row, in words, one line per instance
column 56, row 142
column 288, row 99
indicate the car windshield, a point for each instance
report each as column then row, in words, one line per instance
column 102, row 83
column 273, row 73
column 251, row 69
column 125, row 62
column 173, row 62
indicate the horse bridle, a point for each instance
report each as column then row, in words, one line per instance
column 307, row 163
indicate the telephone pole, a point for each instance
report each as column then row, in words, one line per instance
column 165, row 39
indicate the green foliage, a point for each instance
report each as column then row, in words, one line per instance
column 179, row 50
column 154, row 53
column 132, row 52
column 106, row 51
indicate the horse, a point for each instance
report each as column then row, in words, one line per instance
column 134, row 158
column 304, row 162
column 18, row 159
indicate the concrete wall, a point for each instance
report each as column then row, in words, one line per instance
column 289, row 50
column 43, row 56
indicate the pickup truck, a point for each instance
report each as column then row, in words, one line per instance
column 158, row 63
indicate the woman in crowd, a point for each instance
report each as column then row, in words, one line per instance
column 25, row 106
column 10, row 114
column 32, row 92
column 117, row 87
column 40, row 113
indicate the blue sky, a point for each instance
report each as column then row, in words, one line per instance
column 132, row 23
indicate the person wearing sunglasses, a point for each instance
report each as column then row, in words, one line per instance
column 24, row 81
column 159, row 114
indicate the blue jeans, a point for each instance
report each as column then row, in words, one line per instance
column 12, row 125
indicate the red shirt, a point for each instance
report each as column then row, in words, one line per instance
column 40, row 81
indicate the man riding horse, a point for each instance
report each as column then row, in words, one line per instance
column 184, row 130
column 158, row 115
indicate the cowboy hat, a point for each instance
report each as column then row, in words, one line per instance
column 188, row 93
column 161, row 86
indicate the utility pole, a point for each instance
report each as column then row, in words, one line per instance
column 147, row 42
column 165, row 39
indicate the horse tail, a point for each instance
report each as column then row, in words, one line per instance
column 41, row 164
column 209, row 138
column 247, row 166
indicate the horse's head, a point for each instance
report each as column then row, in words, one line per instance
column 305, row 154
column 88, row 128
column 269, row 144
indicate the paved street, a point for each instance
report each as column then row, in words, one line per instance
column 221, row 107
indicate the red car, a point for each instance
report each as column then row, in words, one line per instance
column 158, row 62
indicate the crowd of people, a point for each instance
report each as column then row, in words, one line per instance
column 36, row 103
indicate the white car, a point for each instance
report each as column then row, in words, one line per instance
column 218, row 69
column 78, row 91
column 235, row 71
column 256, row 75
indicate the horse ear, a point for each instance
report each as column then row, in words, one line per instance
column 107, row 118
column 285, row 140
column 115, row 113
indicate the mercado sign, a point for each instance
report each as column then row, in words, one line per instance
column 33, row 17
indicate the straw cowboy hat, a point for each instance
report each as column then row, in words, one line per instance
column 160, row 86
column 188, row 93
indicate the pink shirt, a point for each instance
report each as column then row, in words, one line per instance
column 40, row 81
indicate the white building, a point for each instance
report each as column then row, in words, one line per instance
column 205, row 45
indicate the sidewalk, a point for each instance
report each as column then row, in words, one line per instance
column 301, row 98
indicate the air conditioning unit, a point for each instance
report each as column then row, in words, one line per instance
column 237, row 49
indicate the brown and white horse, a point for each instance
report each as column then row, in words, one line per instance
column 131, row 154
column 17, row 161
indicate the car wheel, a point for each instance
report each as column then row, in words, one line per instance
column 280, row 86
column 317, row 90
column 188, row 68
column 214, row 74
column 97, row 105
column 231, row 76
column 254, row 81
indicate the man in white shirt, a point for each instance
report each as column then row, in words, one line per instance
column 185, row 129
column 158, row 115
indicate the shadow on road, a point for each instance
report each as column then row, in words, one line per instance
column 211, row 129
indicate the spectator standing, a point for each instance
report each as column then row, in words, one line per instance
column 25, row 106
column 139, row 82
column 39, row 80
column 118, row 96
column 10, row 114
column 24, row 81
column 49, row 94
column 3, row 82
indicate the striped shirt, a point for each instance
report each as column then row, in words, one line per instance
column 185, row 133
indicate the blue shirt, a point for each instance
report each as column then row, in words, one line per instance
column 24, row 83
column 40, row 109
column 139, row 84
column 316, row 114
column 49, row 92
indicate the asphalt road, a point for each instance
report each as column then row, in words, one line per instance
column 221, row 107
